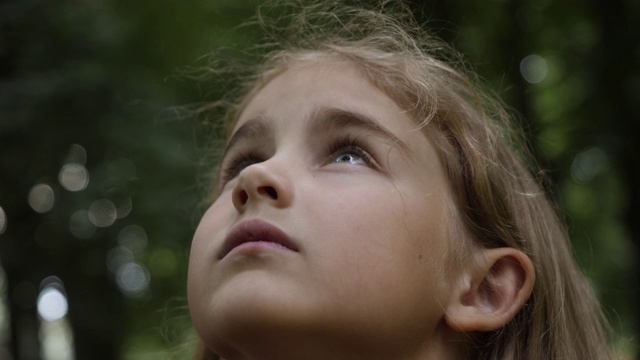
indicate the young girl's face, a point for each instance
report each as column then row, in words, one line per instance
column 330, row 228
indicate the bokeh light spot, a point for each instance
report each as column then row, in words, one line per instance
column 52, row 304
column 41, row 198
column 122, row 200
column 133, row 280
column 117, row 257
column 56, row 340
column 124, row 207
column 74, row 177
column 5, row 315
column 3, row 220
column 80, row 225
column 3, row 281
column 534, row 68
column 588, row 164
column 77, row 155
column 102, row 213
column 134, row 238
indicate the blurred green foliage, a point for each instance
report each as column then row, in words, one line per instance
column 103, row 75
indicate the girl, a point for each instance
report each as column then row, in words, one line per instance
column 369, row 206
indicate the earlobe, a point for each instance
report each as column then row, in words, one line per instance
column 492, row 292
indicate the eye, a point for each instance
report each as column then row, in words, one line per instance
column 349, row 156
column 350, row 151
column 237, row 163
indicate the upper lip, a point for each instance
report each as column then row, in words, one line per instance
column 255, row 230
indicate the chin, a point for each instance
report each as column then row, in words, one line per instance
column 253, row 301
column 256, row 319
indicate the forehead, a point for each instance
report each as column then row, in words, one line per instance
column 312, row 84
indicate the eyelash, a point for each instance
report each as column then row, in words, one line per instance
column 351, row 144
column 342, row 144
column 240, row 161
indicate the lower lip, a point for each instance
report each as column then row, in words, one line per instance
column 257, row 247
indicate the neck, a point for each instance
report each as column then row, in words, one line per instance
column 444, row 344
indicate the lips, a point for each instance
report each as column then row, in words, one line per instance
column 256, row 231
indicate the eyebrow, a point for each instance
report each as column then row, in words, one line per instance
column 255, row 128
column 323, row 119
column 326, row 119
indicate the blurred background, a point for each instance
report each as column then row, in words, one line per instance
column 99, row 176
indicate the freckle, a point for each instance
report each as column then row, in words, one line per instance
column 419, row 256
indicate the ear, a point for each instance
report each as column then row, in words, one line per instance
column 491, row 291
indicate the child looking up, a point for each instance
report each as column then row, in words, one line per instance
column 369, row 206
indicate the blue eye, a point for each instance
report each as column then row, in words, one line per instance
column 350, row 151
column 349, row 156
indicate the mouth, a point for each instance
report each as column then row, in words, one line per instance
column 256, row 232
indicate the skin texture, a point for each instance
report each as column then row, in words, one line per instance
column 369, row 224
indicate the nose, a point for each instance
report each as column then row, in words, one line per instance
column 262, row 183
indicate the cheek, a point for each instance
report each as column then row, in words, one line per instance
column 216, row 219
column 373, row 218
column 377, row 236
column 209, row 232
column 380, row 256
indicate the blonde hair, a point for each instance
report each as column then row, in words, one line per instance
column 499, row 202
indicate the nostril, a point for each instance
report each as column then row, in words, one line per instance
column 244, row 197
column 270, row 191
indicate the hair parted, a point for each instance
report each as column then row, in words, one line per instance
column 499, row 202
